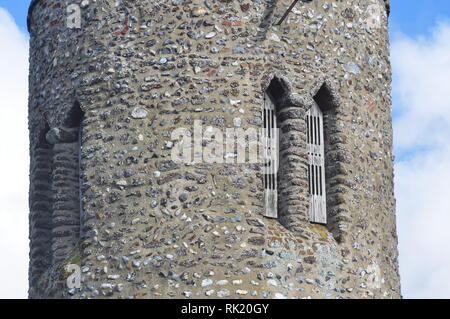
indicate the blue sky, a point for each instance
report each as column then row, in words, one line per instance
column 414, row 17
column 411, row 17
column 18, row 9
column 420, row 43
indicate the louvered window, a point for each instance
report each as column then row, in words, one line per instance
column 270, row 153
column 316, row 167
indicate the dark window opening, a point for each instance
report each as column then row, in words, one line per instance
column 74, row 117
column 277, row 92
column 324, row 98
column 75, row 122
column 67, row 185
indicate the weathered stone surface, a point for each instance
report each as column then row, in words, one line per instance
column 154, row 228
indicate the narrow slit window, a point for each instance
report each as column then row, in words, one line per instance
column 316, row 169
column 67, row 205
column 270, row 149
column 318, row 132
column 307, row 128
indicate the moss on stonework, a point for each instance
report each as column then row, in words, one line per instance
column 57, row 273
column 73, row 259
column 340, row 199
column 320, row 230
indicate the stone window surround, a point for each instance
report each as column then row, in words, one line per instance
column 293, row 210
column 40, row 204
column 59, row 218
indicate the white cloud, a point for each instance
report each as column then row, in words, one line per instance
column 421, row 69
column 13, row 159
column 422, row 131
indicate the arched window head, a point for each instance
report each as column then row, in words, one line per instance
column 324, row 98
column 277, row 91
column 74, row 116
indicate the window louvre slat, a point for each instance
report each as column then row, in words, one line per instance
column 316, row 168
column 270, row 144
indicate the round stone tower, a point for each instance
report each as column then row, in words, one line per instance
column 116, row 213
